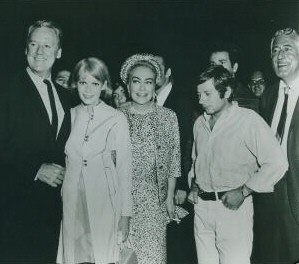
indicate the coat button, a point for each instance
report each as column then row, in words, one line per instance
column 158, row 147
column 161, row 167
column 85, row 162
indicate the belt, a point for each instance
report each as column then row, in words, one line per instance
column 210, row 196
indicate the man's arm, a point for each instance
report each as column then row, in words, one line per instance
column 261, row 143
column 272, row 162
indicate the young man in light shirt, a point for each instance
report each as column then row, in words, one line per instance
column 234, row 154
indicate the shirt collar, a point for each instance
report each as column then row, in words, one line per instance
column 294, row 85
column 35, row 78
column 226, row 112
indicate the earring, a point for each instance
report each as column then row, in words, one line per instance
column 154, row 97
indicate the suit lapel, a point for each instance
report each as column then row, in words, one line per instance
column 66, row 120
column 272, row 100
column 295, row 115
column 294, row 121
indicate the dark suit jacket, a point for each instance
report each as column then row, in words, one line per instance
column 27, row 142
column 276, row 215
column 268, row 105
column 172, row 103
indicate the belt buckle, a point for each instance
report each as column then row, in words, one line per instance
column 200, row 191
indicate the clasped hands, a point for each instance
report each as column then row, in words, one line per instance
column 51, row 174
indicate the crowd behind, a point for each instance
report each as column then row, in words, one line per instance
column 92, row 165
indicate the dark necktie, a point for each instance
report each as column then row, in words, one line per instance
column 283, row 116
column 54, row 124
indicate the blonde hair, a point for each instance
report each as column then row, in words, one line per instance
column 97, row 69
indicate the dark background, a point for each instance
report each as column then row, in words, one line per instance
column 178, row 30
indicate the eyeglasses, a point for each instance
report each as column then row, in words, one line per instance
column 257, row 82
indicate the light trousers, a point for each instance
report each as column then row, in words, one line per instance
column 222, row 235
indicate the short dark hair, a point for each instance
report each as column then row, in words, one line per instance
column 48, row 24
column 221, row 77
column 233, row 51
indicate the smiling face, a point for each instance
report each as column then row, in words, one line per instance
column 257, row 83
column 89, row 89
column 142, row 85
column 42, row 51
column 285, row 57
column 209, row 98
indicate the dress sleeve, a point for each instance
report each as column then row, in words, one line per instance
column 124, row 164
column 175, row 164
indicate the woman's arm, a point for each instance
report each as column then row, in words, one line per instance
column 170, row 197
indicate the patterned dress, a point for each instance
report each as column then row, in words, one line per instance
column 149, row 220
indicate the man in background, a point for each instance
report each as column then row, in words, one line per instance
column 228, row 56
column 62, row 78
column 257, row 83
column 180, row 248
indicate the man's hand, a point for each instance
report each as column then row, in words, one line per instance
column 123, row 228
column 193, row 195
column 180, row 196
column 51, row 174
column 233, row 199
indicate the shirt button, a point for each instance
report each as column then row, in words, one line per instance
column 161, row 167
column 158, row 147
column 86, row 138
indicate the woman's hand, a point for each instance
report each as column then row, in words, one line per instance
column 170, row 207
column 123, row 228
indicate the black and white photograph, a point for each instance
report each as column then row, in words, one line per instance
column 149, row 132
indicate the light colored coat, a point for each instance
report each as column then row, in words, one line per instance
column 98, row 141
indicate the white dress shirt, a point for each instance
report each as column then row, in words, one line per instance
column 239, row 150
column 43, row 92
column 292, row 100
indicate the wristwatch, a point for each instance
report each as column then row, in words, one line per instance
column 245, row 191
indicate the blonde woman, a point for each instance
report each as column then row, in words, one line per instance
column 96, row 192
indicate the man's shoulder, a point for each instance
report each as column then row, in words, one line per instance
column 244, row 111
column 248, row 117
column 20, row 78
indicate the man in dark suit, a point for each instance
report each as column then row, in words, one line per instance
column 277, row 214
column 166, row 98
column 180, row 245
column 35, row 127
